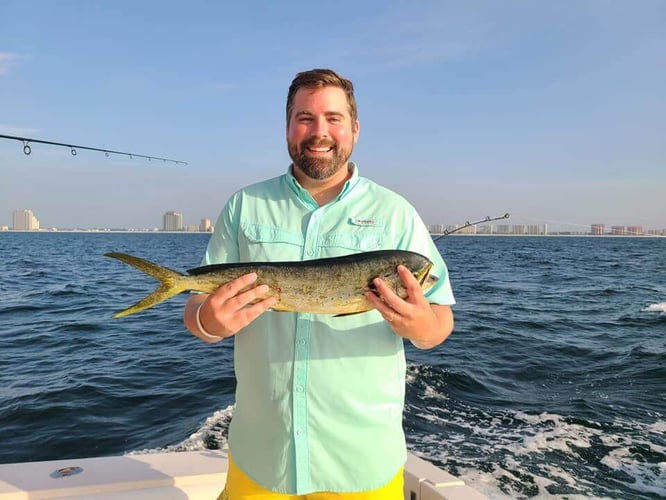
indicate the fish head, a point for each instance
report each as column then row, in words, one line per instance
column 420, row 267
column 424, row 277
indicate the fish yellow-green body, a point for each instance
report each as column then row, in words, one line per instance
column 334, row 285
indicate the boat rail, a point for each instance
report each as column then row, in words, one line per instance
column 195, row 475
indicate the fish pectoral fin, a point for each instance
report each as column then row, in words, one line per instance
column 348, row 314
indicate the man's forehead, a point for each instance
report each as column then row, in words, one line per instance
column 329, row 97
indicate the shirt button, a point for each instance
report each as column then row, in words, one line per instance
column 299, row 388
column 299, row 432
column 300, row 341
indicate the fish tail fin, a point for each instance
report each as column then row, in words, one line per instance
column 171, row 282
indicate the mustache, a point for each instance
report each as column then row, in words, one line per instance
column 319, row 143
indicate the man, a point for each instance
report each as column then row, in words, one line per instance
column 319, row 399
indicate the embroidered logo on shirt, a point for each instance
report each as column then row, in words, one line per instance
column 366, row 221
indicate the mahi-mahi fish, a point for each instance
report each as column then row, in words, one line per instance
column 335, row 285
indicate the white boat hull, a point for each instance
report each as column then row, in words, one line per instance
column 184, row 475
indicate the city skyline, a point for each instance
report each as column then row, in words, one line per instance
column 555, row 113
column 173, row 221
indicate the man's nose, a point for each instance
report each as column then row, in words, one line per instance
column 320, row 127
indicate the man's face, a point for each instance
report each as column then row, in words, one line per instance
column 320, row 134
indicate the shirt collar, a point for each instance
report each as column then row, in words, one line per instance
column 303, row 193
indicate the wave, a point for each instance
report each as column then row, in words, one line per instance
column 212, row 435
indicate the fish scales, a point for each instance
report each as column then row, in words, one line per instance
column 335, row 285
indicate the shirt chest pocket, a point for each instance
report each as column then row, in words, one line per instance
column 359, row 234
column 269, row 243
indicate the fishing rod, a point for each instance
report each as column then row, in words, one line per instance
column 468, row 224
column 73, row 149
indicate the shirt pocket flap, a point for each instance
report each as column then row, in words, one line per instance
column 258, row 233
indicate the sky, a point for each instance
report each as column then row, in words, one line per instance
column 552, row 111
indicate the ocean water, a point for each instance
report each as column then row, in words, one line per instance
column 553, row 384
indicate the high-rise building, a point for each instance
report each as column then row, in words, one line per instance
column 24, row 220
column 172, row 221
column 468, row 230
column 635, row 230
column 205, row 226
column 597, row 229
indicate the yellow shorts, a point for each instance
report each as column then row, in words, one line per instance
column 241, row 487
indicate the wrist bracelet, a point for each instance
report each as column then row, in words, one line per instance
column 202, row 330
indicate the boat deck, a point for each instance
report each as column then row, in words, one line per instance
column 184, row 475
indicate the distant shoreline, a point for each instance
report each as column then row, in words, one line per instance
column 573, row 235
column 103, row 231
column 434, row 235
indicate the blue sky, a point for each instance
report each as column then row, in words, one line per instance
column 552, row 111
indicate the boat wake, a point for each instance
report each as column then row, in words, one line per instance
column 515, row 453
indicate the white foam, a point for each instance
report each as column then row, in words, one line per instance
column 660, row 307
column 659, row 427
column 561, row 436
column 648, row 479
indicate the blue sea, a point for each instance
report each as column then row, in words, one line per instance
column 553, row 384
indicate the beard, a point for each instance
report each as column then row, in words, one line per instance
column 318, row 168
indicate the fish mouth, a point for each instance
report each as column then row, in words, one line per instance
column 426, row 280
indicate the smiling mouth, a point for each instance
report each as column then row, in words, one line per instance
column 320, row 149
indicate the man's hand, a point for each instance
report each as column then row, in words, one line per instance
column 413, row 317
column 229, row 309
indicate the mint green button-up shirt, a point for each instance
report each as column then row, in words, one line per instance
column 319, row 399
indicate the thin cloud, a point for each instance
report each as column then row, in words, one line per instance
column 418, row 35
column 428, row 34
column 7, row 61
column 419, row 52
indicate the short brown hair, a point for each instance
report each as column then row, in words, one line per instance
column 320, row 78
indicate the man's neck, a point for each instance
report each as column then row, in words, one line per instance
column 326, row 190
